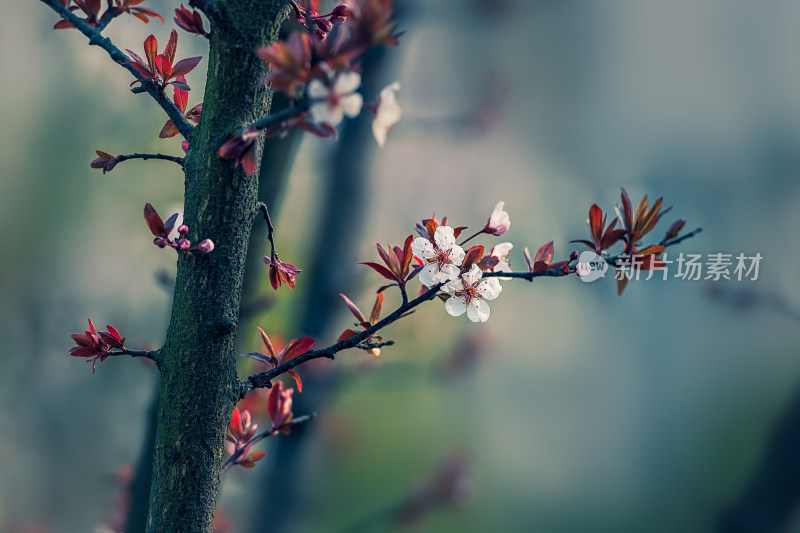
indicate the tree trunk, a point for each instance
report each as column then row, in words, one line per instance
column 199, row 386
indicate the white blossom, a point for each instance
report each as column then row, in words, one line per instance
column 469, row 294
column 330, row 104
column 387, row 113
column 441, row 257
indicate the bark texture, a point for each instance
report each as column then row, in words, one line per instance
column 199, row 386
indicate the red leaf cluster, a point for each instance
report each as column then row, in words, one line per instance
column 96, row 346
column 190, row 21
column 241, row 431
column 159, row 68
column 397, row 261
column 295, row 348
column 363, row 322
column 92, row 8
column 161, row 231
column 181, row 98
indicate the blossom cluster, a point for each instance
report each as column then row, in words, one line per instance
column 322, row 77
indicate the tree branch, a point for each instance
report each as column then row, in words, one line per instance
column 284, row 114
column 96, row 38
column 174, row 159
column 153, row 355
column 230, row 461
column 264, row 378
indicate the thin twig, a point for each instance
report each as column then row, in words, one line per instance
column 284, row 114
column 153, row 355
column 145, row 157
column 264, row 378
column 230, row 461
column 96, row 38
column 270, row 228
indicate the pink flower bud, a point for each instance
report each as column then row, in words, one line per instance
column 574, row 255
column 498, row 222
column 339, row 11
column 319, row 35
column 184, row 244
column 323, row 24
column 161, row 242
column 183, row 229
column 206, row 246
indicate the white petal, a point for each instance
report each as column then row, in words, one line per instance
column 447, row 273
column 501, row 250
column 452, row 286
column 317, row 90
column 478, row 311
column 455, row 306
column 380, row 132
column 388, row 92
column 457, row 255
column 428, row 276
column 352, row 104
column 489, row 288
column 473, row 276
column 347, row 82
column 502, row 266
column 444, row 237
column 422, row 248
column 322, row 112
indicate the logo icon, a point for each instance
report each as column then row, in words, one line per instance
column 591, row 266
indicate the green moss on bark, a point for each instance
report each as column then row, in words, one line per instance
column 199, row 386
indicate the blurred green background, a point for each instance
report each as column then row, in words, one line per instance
column 583, row 411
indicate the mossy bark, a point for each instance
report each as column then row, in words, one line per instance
column 199, row 386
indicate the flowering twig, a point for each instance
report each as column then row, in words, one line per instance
column 96, row 38
column 230, row 461
column 357, row 341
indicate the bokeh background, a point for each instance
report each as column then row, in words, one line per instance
column 671, row 408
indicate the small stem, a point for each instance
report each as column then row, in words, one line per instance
column 465, row 241
column 153, row 355
column 145, row 157
column 270, row 228
column 284, row 114
column 681, row 238
column 107, row 17
column 230, row 461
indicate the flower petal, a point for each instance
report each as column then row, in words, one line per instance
column 457, row 255
column 322, row 112
column 347, row 82
column 422, row 248
column 473, row 276
column 317, row 89
column 478, row 311
column 444, row 237
column 489, row 288
column 455, row 306
column 351, row 104
column 428, row 276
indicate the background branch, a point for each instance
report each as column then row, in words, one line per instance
column 97, row 39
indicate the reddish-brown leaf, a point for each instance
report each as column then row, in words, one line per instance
column 154, row 221
column 296, row 348
column 380, row 269
column 297, row 379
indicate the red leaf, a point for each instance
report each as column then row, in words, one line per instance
column 596, row 221
column 346, row 334
column 380, row 269
column 353, row 308
column 267, row 342
column 296, row 379
column 544, row 253
column 235, row 424
column 164, row 66
column 154, row 221
column 172, row 45
column 296, row 348
column 150, row 51
column 184, row 66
